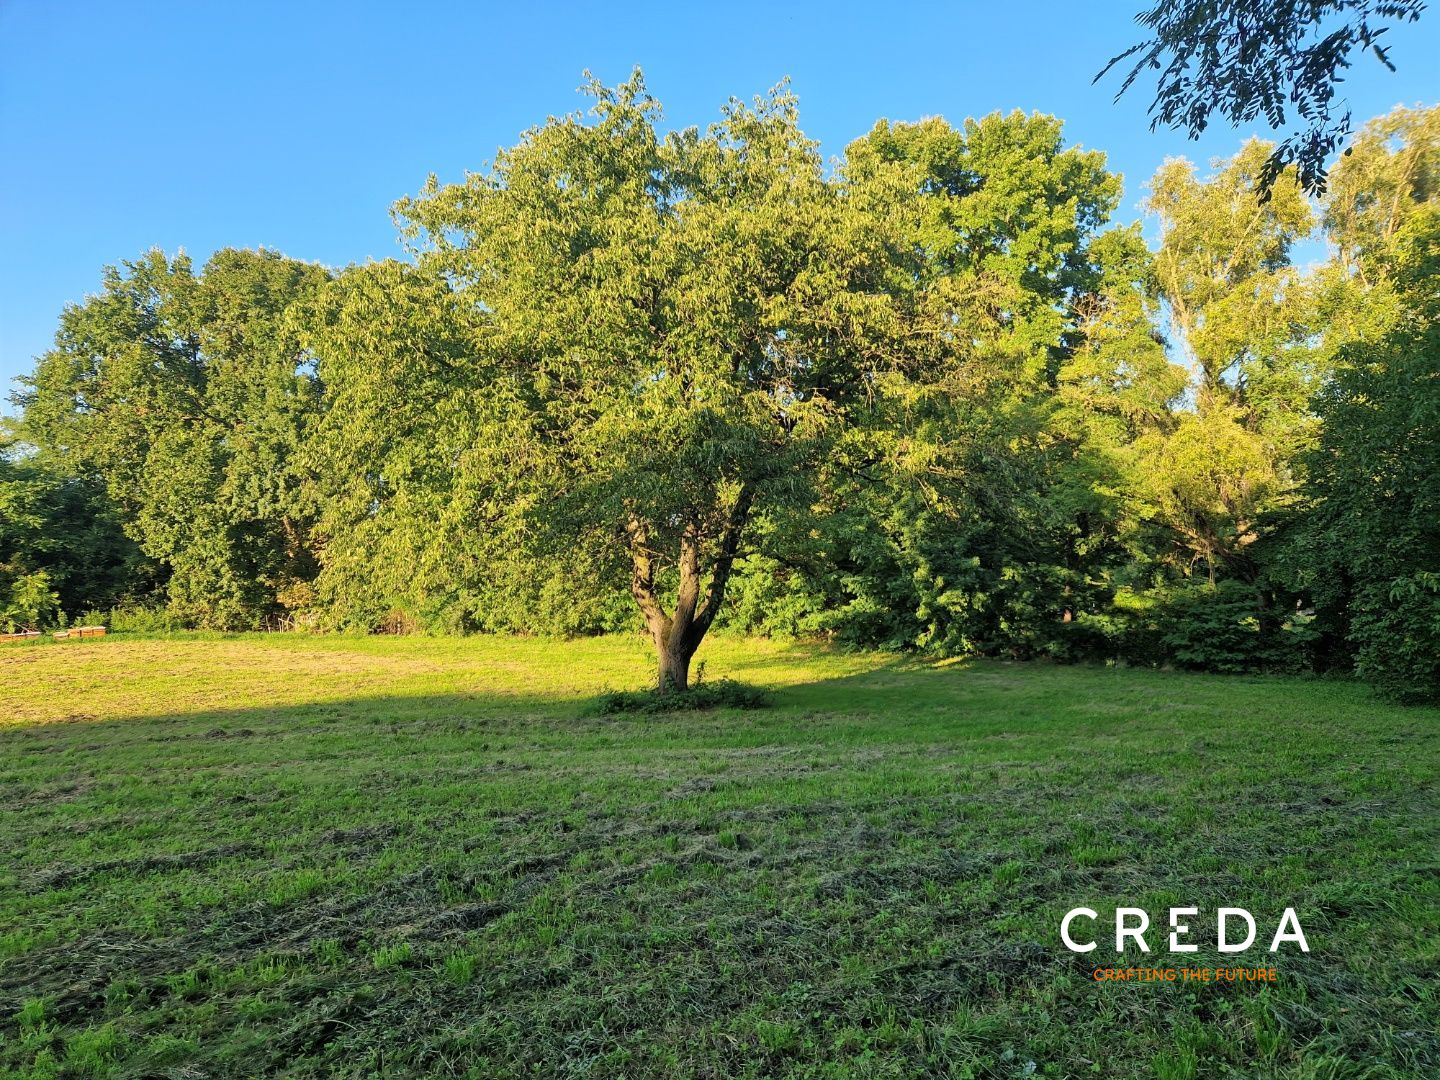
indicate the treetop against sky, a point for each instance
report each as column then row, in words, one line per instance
column 126, row 128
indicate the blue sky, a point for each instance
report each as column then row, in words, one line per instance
column 296, row 125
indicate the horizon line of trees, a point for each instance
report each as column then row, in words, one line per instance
column 931, row 398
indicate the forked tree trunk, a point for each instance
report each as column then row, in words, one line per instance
column 678, row 634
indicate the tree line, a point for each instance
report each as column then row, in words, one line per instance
column 929, row 396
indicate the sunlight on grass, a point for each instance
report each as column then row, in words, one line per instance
column 241, row 856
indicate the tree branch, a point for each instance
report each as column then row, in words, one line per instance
column 725, row 559
column 642, row 577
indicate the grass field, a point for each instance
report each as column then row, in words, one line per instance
column 394, row 857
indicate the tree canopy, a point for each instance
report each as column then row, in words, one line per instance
column 927, row 396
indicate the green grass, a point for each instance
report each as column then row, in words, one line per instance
column 353, row 857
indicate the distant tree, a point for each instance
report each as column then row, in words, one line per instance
column 1223, row 268
column 1236, row 314
column 1391, row 175
column 1391, row 172
column 1005, row 197
column 66, row 528
column 182, row 392
column 1249, row 59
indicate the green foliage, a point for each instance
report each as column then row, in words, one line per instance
column 1369, row 546
column 926, row 399
column 1216, row 629
column 720, row 694
column 1252, row 58
column 1389, row 175
column 638, row 343
column 1230, row 627
column 66, row 529
column 27, row 602
column 1396, row 634
column 135, row 617
column 187, row 395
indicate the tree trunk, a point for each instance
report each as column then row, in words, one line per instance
column 674, row 666
column 678, row 634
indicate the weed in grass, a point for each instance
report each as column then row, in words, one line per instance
column 777, row 1038
column 32, row 1014
column 1178, row 1064
column 460, row 968
column 329, row 952
column 96, row 1052
column 1007, row 873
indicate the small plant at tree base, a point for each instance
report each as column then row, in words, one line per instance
column 722, row 694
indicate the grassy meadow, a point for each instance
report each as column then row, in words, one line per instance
column 312, row 857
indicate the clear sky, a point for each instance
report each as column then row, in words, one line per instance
column 296, row 125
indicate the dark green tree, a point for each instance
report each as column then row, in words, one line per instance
column 187, row 396
column 65, row 529
column 1368, row 550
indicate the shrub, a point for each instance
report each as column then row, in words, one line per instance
column 721, row 694
column 136, row 618
column 28, row 603
column 1397, row 632
column 1221, row 628
column 1214, row 629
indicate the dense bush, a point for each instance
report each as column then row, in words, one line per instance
column 27, row 602
column 139, row 618
column 1223, row 629
column 1368, row 547
column 1396, row 632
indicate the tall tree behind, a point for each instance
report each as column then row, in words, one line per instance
column 1364, row 548
column 1368, row 549
column 1235, row 309
column 65, row 528
column 1391, row 172
column 1016, row 521
column 417, row 526
column 184, row 394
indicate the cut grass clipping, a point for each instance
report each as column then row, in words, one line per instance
column 326, row 857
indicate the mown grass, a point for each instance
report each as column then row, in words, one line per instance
column 335, row 857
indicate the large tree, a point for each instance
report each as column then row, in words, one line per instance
column 186, row 395
column 1015, row 526
column 678, row 331
column 1368, row 548
column 1236, row 310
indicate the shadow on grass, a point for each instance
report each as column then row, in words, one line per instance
column 868, row 872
